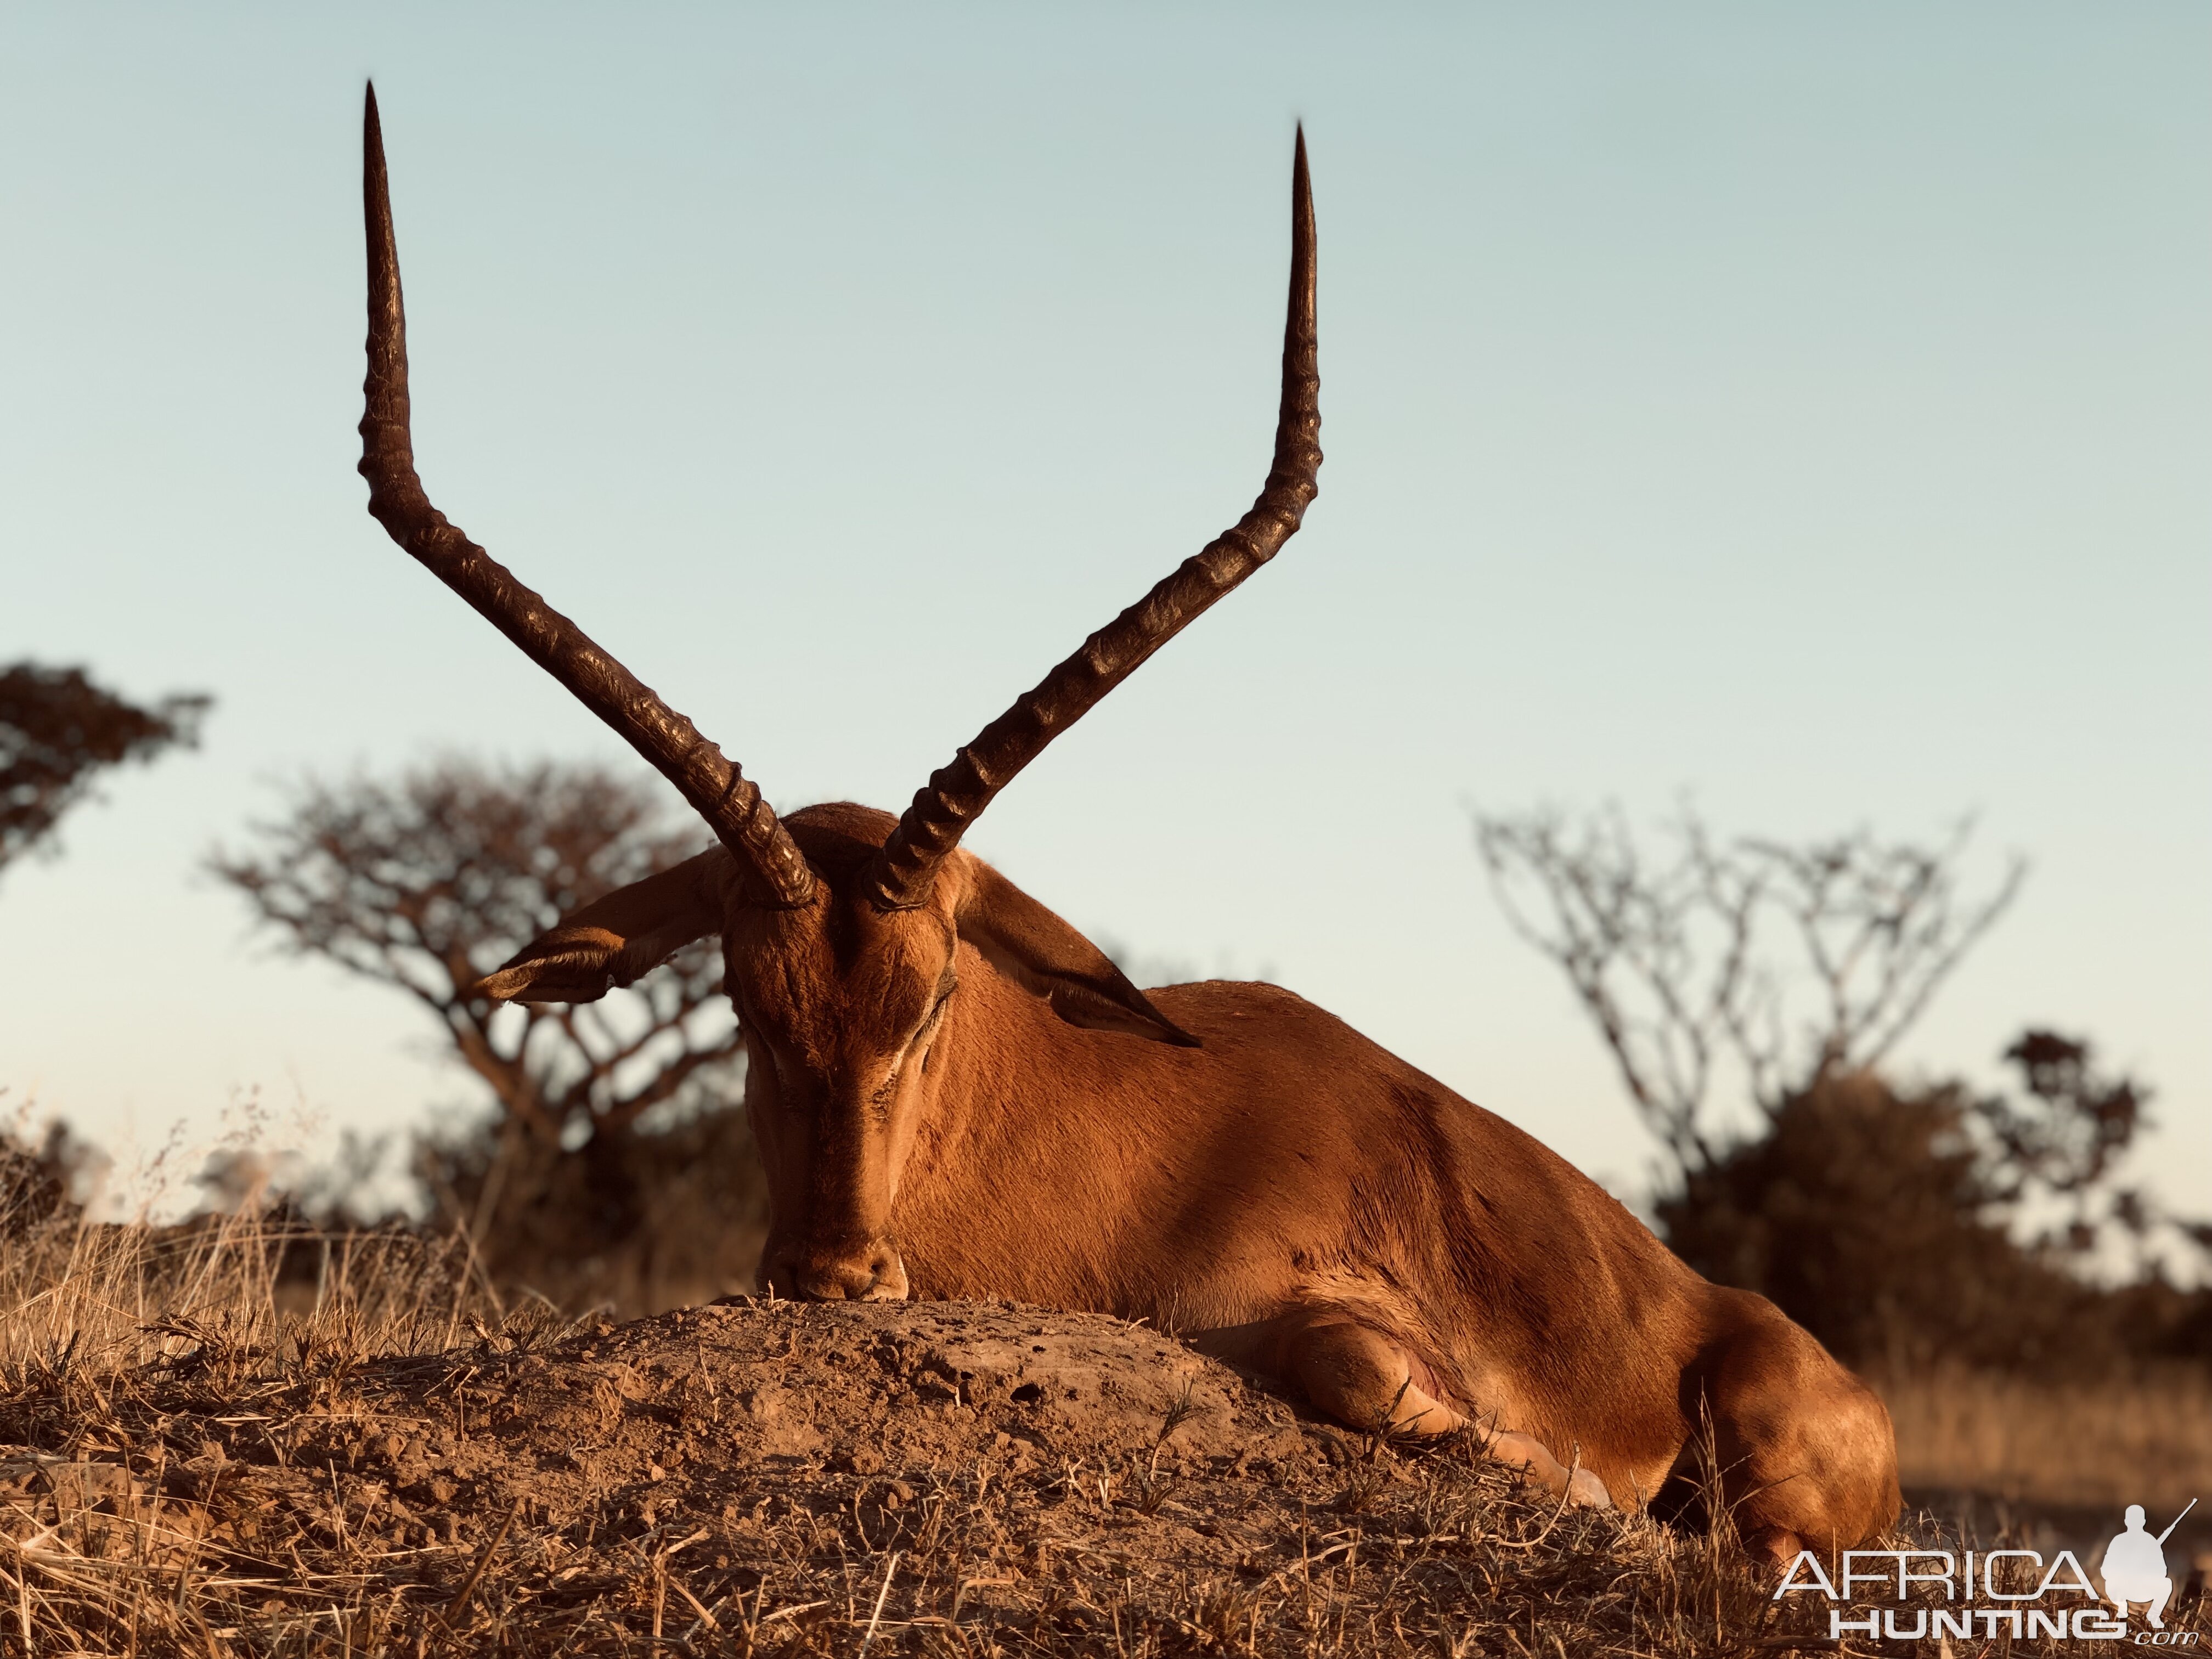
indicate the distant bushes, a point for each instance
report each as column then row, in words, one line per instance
column 636, row 1222
column 35, row 1178
column 1897, row 1225
column 633, row 1224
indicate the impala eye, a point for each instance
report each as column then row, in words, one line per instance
column 927, row 1029
column 937, row 1011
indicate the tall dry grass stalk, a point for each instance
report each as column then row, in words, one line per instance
column 102, row 1297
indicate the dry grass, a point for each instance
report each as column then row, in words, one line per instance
column 2145, row 1440
column 100, row 1297
column 200, row 1461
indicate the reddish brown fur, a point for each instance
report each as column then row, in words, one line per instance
column 1288, row 1194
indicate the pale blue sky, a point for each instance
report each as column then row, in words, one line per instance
column 1806, row 406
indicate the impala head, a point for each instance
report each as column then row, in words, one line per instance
column 846, row 932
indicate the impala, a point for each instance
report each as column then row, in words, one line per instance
column 956, row 1094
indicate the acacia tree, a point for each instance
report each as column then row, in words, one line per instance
column 428, row 882
column 59, row 731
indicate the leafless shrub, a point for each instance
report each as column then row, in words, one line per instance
column 1794, row 962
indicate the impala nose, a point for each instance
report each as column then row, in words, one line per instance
column 873, row 1274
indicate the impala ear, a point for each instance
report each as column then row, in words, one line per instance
column 1043, row 954
column 616, row 940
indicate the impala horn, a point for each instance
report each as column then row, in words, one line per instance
column 904, row 868
column 718, row 790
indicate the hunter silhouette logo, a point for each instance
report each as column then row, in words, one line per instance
column 2003, row 1592
column 2135, row 1567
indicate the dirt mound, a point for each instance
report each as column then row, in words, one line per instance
column 706, row 1412
column 758, row 1477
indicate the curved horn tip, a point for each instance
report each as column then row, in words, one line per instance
column 372, row 138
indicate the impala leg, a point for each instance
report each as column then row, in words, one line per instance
column 1362, row 1378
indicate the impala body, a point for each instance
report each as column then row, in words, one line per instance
column 956, row 1093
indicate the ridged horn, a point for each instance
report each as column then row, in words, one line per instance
column 716, row 788
column 904, row 870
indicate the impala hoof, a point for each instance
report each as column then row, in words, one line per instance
column 1578, row 1486
column 1586, row 1490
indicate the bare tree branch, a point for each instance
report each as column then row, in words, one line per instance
column 1792, row 962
